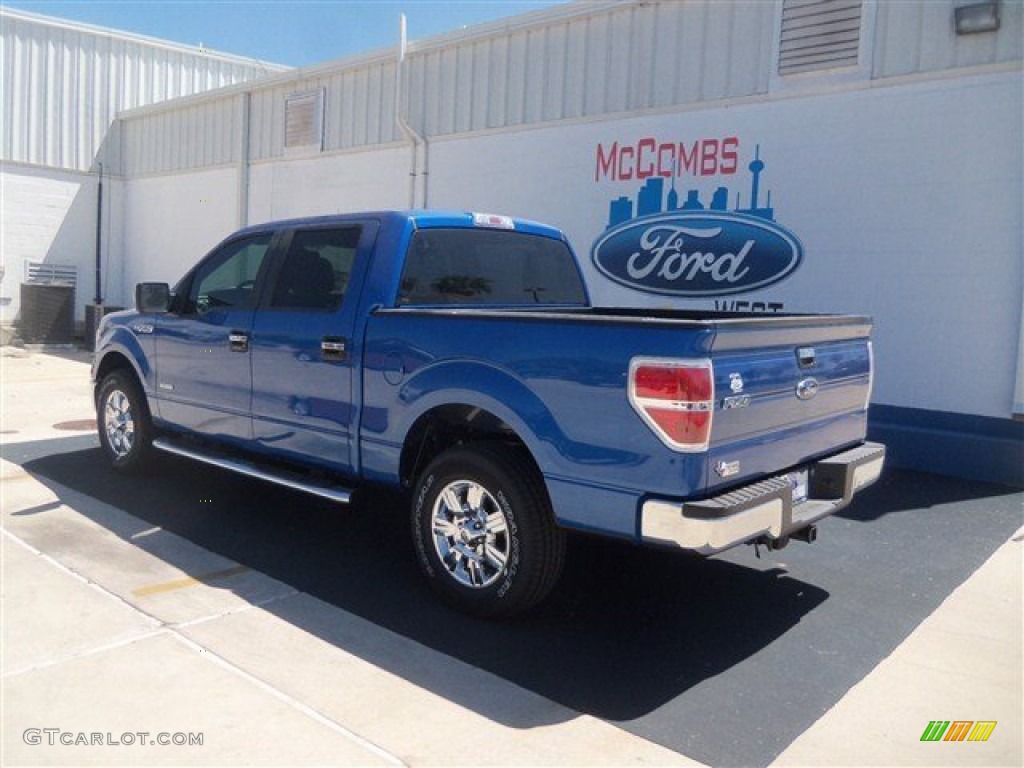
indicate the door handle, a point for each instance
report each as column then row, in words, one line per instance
column 239, row 341
column 334, row 348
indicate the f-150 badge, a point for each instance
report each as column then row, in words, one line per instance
column 738, row 399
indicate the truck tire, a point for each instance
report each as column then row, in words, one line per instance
column 484, row 532
column 122, row 416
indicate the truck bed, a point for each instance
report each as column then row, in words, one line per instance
column 564, row 374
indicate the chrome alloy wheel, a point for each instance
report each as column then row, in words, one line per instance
column 119, row 423
column 470, row 534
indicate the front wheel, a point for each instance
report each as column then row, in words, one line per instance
column 122, row 416
column 484, row 531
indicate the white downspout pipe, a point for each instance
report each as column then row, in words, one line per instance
column 425, row 173
column 244, row 164
column 414, row 138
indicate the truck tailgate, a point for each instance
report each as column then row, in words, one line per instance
column 786, row 392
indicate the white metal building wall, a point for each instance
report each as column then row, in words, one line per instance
column 582, row 60
column 202, row 135
column 206, row 130
column 587, row 61
column 64, row 83
column 915, row 37
column 601, row 60
column 359, row 108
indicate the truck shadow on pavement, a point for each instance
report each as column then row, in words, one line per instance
column 624, row 632
column 726, row 660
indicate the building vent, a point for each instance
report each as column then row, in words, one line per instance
column 819, row 34
column 304, row 120
column 40, row 272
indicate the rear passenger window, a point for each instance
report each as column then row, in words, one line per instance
column 316, row 269
column 492, row 267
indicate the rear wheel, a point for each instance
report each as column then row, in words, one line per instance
column 484, row 531
column 125, row 428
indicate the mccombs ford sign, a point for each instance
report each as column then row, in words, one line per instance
column 696, row 248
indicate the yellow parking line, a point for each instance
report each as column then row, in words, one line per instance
column 169, row 586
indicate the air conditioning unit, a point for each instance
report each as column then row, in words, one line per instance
column 47, row 313
column 48, row 303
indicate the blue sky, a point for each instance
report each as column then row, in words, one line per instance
column 291, row 32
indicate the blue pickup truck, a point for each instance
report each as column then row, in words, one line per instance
column 456, row 357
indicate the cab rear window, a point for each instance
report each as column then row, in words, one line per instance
column 488, row 267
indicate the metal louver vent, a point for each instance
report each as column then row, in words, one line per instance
column 819, row 34
column 304, row 119
column 42, row 272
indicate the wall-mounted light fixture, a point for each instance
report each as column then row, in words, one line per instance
column 976, row 17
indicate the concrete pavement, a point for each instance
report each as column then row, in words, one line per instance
column 113, row 629
column 963, row 662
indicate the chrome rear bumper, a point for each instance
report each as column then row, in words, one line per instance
column 765, row 508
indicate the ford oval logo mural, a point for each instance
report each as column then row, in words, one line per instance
column 697, row 254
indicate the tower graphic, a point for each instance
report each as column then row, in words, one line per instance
column 755, row 169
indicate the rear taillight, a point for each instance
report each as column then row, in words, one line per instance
column 675, row 398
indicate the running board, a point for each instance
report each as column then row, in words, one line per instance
column 334, row 493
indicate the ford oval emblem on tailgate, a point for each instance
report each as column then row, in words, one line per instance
column 807, row 389
column 697, row 254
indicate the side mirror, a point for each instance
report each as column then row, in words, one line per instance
column 152, row 297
